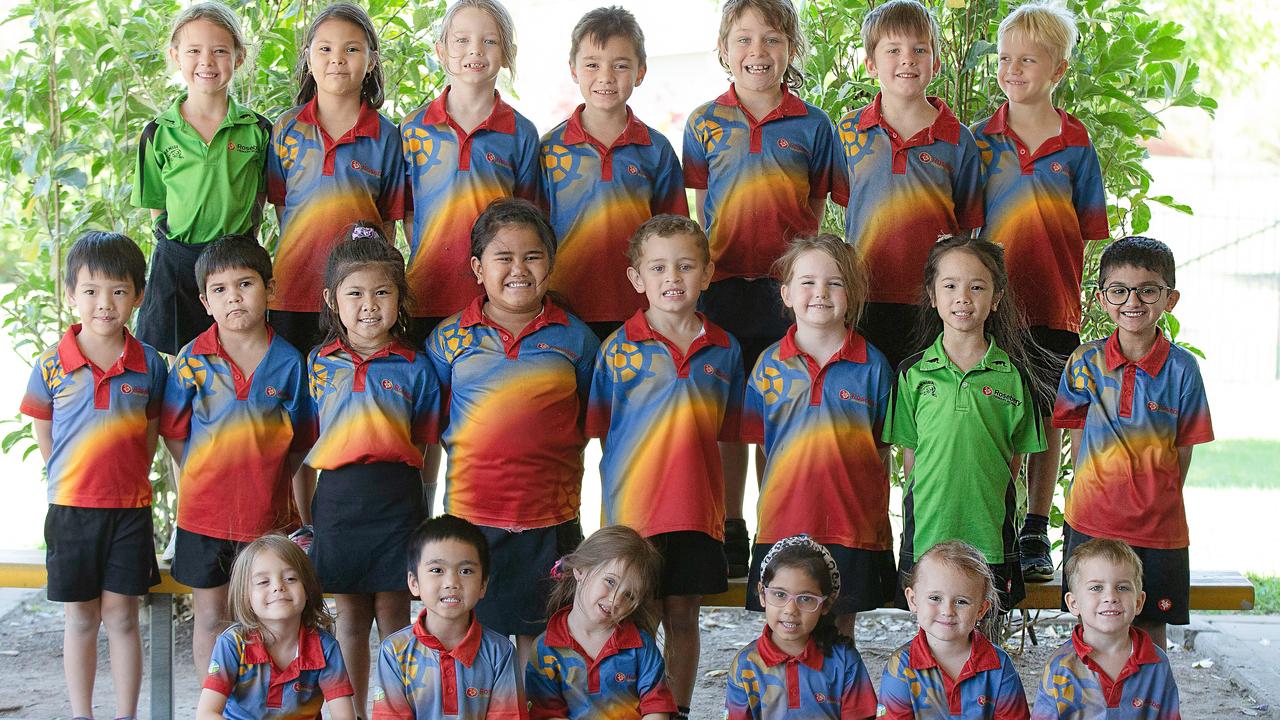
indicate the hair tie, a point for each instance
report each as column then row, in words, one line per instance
column 557, row 570
column 804, row 541
column 363, row 232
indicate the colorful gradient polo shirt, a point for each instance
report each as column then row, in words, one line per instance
column 212, row 405
column 760, row 176
column 1042, row 204
column 598, row 196
column 768, row 684
column 227, row 174
column 965, row 428
column 820, row 427
column 1074, row 687
column 1133, row 416
column 626, row 681
column 515, row 405
column 101, row 457
column 659, row 414
column 453, row 176
column 377, row 409
column 905, row 192
column 418, row 678
column 242, row 669
column 323, row 185
column 915, row 687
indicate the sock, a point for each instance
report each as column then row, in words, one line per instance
column 1035, row 525
column 682, row 713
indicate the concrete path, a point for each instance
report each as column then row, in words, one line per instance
column 1244, row 648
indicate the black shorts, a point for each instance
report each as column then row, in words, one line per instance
column 301, row 329
column 868, row 578
column 604, row 329
column 171, row 314
column 891, row 329
column 515, row 602
column 1009, row 585
column 1047, row 366
column 89, row 550
column 420, row 329
column 749, row 310
column 1166, row 579
column 692, row 564
column 201, row 561
column 363, row 515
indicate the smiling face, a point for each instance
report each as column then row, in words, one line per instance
column 816, row 292
column 367, row 303
column 1026, row 71
column 513, row 269
column 947, row 601
column 756, row 53
column 448, row 578
column 276, row 592
column 672, row 273
column 964, row 292
column 471, row 49
column 790, row 625
column 339, row 58
column 606, row 594
column 1135, row 317
column 905, row 65
column 207, row 56
column 103, row 303
column 1105, row 596
column 606, row 74
column 237, row 298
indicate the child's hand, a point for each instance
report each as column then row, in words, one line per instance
column 302, row 537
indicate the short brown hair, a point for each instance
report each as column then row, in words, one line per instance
column 846, row 259
column 666, row 226
column 315, row 614
column 780, row 14
column 1115, row 552
column 899, row 17
column 605, row 23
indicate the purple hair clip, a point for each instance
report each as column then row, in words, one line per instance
column 363, row 232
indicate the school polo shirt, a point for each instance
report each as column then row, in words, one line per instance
column 659, row 414
column 760, row 176
column 1042, row 204
column 375, row 409
column 598, row 196
column 213, row 405
column 100, row 457
column 1134, row 416
column 915, row 686
column 905, row 192
column 514, row 421
column 241, row 668
column 964, row 427
column 227, row 174
column 1074, row 687
column 323, row 185
column 417, row 678
column 452, row 177
column 625, row 681
column 768, row 684
column 820, row 427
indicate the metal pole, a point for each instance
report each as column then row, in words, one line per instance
column 161, row 655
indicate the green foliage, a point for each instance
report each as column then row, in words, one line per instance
column 1266, row 594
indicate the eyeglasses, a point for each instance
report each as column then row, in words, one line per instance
column 780, row 598
column 1147, row 294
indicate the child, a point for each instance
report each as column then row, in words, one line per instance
column 1109, row 667
column 463, row 150
column 598, row 657
column 962, row 413
column 762, row 162
column 446, row 663
column 914, row 171
column 335, row 161
column 1135, row 405
column 94, row 399
column 237, row 385
column 516, row 369
column 605, row 171
column 200, row 170
column 801, row 666
column 816, row 400
column 1044, row 199
column 668, row 384
column 377, row 402
column 279, row 659
column 951, row 669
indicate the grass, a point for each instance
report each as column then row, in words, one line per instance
column 1266, row 591
column 1236, row 464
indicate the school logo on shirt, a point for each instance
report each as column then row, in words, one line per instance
column 710, row 369
column 1056, row 167
column 271, row 391
column 1006, row 397
column 1165, row 604
column 1154, row 406
column 854, row 397
column 126, row 388
column 361, row 167
column 396, row 388
column 495, row 160
column 473, row 692
column 929, row 158
column 172, row 153
column 982, row 699
column 927, row 388
column 821, row 698
column 785, row 144
column 237, row 147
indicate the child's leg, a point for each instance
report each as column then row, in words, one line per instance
column 391, row 610
column 1157, row 630
column 1042, row 479
column 80, row 652
column 680, row 621
column 210, row 610
column 124, row 644
column 737, row 548
column 525, row 645
column 355, row 617
column 844, row 625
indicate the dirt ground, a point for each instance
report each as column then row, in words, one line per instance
column 31, row 684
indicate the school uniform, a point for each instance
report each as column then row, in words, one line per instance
column 765, row 683
column 241, row 668
column 915, row 687
column 1074, row 687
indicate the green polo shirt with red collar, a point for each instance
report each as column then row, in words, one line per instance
column 204, row 190
column 964, row 427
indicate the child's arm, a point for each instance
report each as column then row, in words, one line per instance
column 858, row 696
column 343, row 708
column 211, row 705
column 1184, row 463
column 304, row 487
column 896, row 702
column 542, row 682
column 428, row 479
column 1077, row 436
column 656, row 700
column 908, row 460
column 44, row 437
column 505, row 702
column 334, row 683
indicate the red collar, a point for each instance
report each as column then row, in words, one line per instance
column 1072, row 134
column 396, row 346
column 1151, row 363
column 982, row 656
column 772, row 655
column 625, row 636
column 1144, row 651
column 945, row 127
column 133, row 358
column 209, row 342
column 368, row 124
column 501, row 119
column 635, row 133
column 552, row 314
column 791, row 105
column 465, row 651
column 853, row 350
column 310, row 651
column 638, row 328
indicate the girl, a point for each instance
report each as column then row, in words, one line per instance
column 758, row 129
column 602, row 623
column 950, row 669
column 816, row 400
column 517, row 369
column 963, row 411
column 463, row 150
column 205, row 146
column 281, row 635
column 334, row 161
column 801, row 666
column 377, row 402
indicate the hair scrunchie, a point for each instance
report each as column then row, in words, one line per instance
column 804, row 541
column 362, row 232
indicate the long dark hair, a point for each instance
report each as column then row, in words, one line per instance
column 371, row 90
column 363, row 246
column 810, row 560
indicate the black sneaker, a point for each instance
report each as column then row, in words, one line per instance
column 1037, row 566
column 737, row 547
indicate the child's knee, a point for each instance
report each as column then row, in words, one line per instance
column 82, row 618
column 120, row 617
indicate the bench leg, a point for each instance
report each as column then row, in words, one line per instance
column 161, row 655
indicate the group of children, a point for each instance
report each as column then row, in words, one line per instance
column 587, row 304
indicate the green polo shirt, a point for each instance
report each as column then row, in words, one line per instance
column 205, row 190
column 964, row 427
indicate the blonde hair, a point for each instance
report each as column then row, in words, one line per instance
column 666, row 226
column 1115, row 552
column 967, row 559
column 1047, row 24
column 638, row 557
column 315, row 614
column 780, row 15
column 506, row 27
column 851, row 269
column 216, row 13
column 899, row 17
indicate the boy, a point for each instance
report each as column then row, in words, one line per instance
column 914, row 171
column 446, row 664
column 605, row 171
column 238, row 384
column 1044, row 200
column 95, row 403
column 1135, row 405
column 668, row 385
column 1108, row 668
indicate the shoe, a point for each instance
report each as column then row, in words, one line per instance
column 737, row 547
column 1037, row 566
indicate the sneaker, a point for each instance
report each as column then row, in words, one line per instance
column 1037, row 566
column 737, row 547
